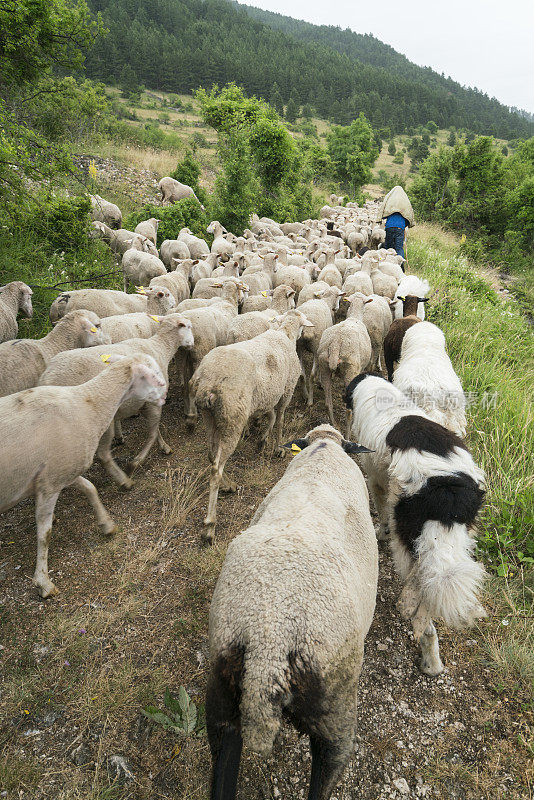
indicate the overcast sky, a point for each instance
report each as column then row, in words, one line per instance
column 484, row 43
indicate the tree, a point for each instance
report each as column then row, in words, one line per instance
column 391, row 148
column 188, row 171
column 307, row 111
column 276, row 99
column 128, row 81
column 38, row 38
column 253, row 129
column 353, row 152
column 432, row 127
column 38, row 35
column 292, row 110
column 451, row 141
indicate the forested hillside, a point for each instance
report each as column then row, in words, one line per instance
column 179, row 45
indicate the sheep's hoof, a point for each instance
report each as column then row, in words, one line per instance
column 109, row 528
column 126, row 485
column 228, row 486
column 431, row 667
column 46, row 588
column 129, row 469
column 165, row 449
column 208, row 534
column 118, row 440
column 190, row 423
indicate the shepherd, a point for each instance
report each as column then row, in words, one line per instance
column 397, row 210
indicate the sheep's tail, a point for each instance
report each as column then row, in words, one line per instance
column 333, row 355
column 449, row 578
column 261, row 701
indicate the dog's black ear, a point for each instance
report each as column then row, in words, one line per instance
column 296, row 445
column 424, row 299
column 354, row 447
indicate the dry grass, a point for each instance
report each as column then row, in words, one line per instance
column 146, row 158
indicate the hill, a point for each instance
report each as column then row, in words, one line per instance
column 179, row 45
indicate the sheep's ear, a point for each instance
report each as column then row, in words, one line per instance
column 140, row 290
column 217, row 285
column 401, row 298
column 195, row 261
column 354, row 447
column 296, row 445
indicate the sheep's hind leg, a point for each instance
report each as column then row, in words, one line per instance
column 279, row 425
column 265, row 428
column 119, row 437
column 224, row 451
column 44, row 512
column 106, row 524
column 379, row 495
column 152, row 414
column 325, row 378
column 328, row 762
column 103, row 454
column 222, row 724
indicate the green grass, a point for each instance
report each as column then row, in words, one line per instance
column 491, row 345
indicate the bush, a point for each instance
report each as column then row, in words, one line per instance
column 188, row 171
column 184, row 214
column 399, row 158
column 63, row 223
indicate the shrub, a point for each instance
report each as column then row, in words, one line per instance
column 63, row 223
column 184, row 214
column 188, row 171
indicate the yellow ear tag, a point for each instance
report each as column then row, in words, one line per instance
column 346, row 299
column 264, row 294
column 105, row 357
column 295, row 448
column 93, row 329
column 153, row 317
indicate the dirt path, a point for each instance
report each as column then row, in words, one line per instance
column 131, row 619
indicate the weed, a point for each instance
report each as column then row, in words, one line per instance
column 182, row 716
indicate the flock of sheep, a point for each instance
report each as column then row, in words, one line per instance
column 243, row 321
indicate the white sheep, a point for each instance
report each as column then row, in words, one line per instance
column 427, row 491
column 203, row 268
column 377, row 320
column 238, row 382
column 149, row 228
column 220, row 245
column 49, row 437
column 22, row 361
column 172, row 191
column 14, row 297
column 246, row 326
column 176, row 281
column 108, row 302
column 383, row 284
column 173, row 248
column 358, row 282
column 211, row 328
column 344, row 348
column 320, row 312
column 289, row 616
column 198, row 248
column 104, row 211
column 78, row 366
column 122, row 240
column 140, row 268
